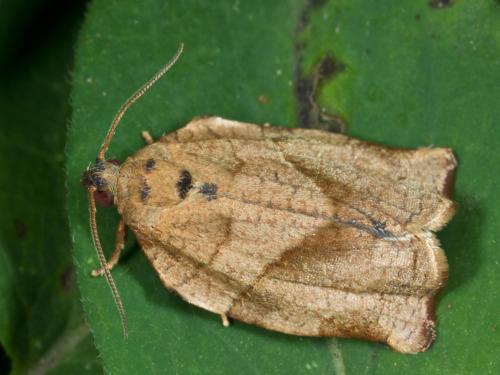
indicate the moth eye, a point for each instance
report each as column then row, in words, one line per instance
column 103, row 198
column 184, row 183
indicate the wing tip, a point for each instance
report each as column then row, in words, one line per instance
column 421, row 336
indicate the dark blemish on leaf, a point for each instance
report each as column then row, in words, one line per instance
column 150, row 164
column 263, row 99
column 328, row 67
column 417, row 17
column 67, row 279
column 308, row 85
column 331, row 123
column 184, row 184
column 440, row 4
column 145, row 190
column 307, row 89
column 209, row 190
column 21, row 228
column 308, row 8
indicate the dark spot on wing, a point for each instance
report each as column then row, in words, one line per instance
column 209, row 190
column 150, row 164
column 145, row 191
column 184, row 184
column 378, row 229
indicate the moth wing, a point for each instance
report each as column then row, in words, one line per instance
column 189, row 278
column 430, row 168
column 404, row 322
column 231, row 265
column 246, row 266
column 418, row 179
column 343, row 282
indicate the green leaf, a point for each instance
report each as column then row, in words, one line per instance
column 41, row 321
column 401, row 74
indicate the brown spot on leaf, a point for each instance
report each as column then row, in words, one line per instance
column 308, row 86
column 21, row 228
column 67, row 279
column 440, row 4
column 263, row 99
column 307, row 89
column 309, row 6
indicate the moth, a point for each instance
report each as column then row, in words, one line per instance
column 299, row 231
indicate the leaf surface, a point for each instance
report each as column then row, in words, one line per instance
column 41, row 319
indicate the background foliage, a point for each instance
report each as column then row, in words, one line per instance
column 406, row 74
column 41, row 320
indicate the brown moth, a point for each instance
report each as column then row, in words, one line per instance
column 298, row 231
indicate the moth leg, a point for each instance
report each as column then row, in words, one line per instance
column 147, row 137
column 225, row 320
column 119, row 245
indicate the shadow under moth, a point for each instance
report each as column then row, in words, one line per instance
column 299, row 231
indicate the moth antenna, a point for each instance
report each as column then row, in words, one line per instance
column 131, row 100
column 102, row 262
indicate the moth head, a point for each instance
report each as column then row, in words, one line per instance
column 102, row 179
